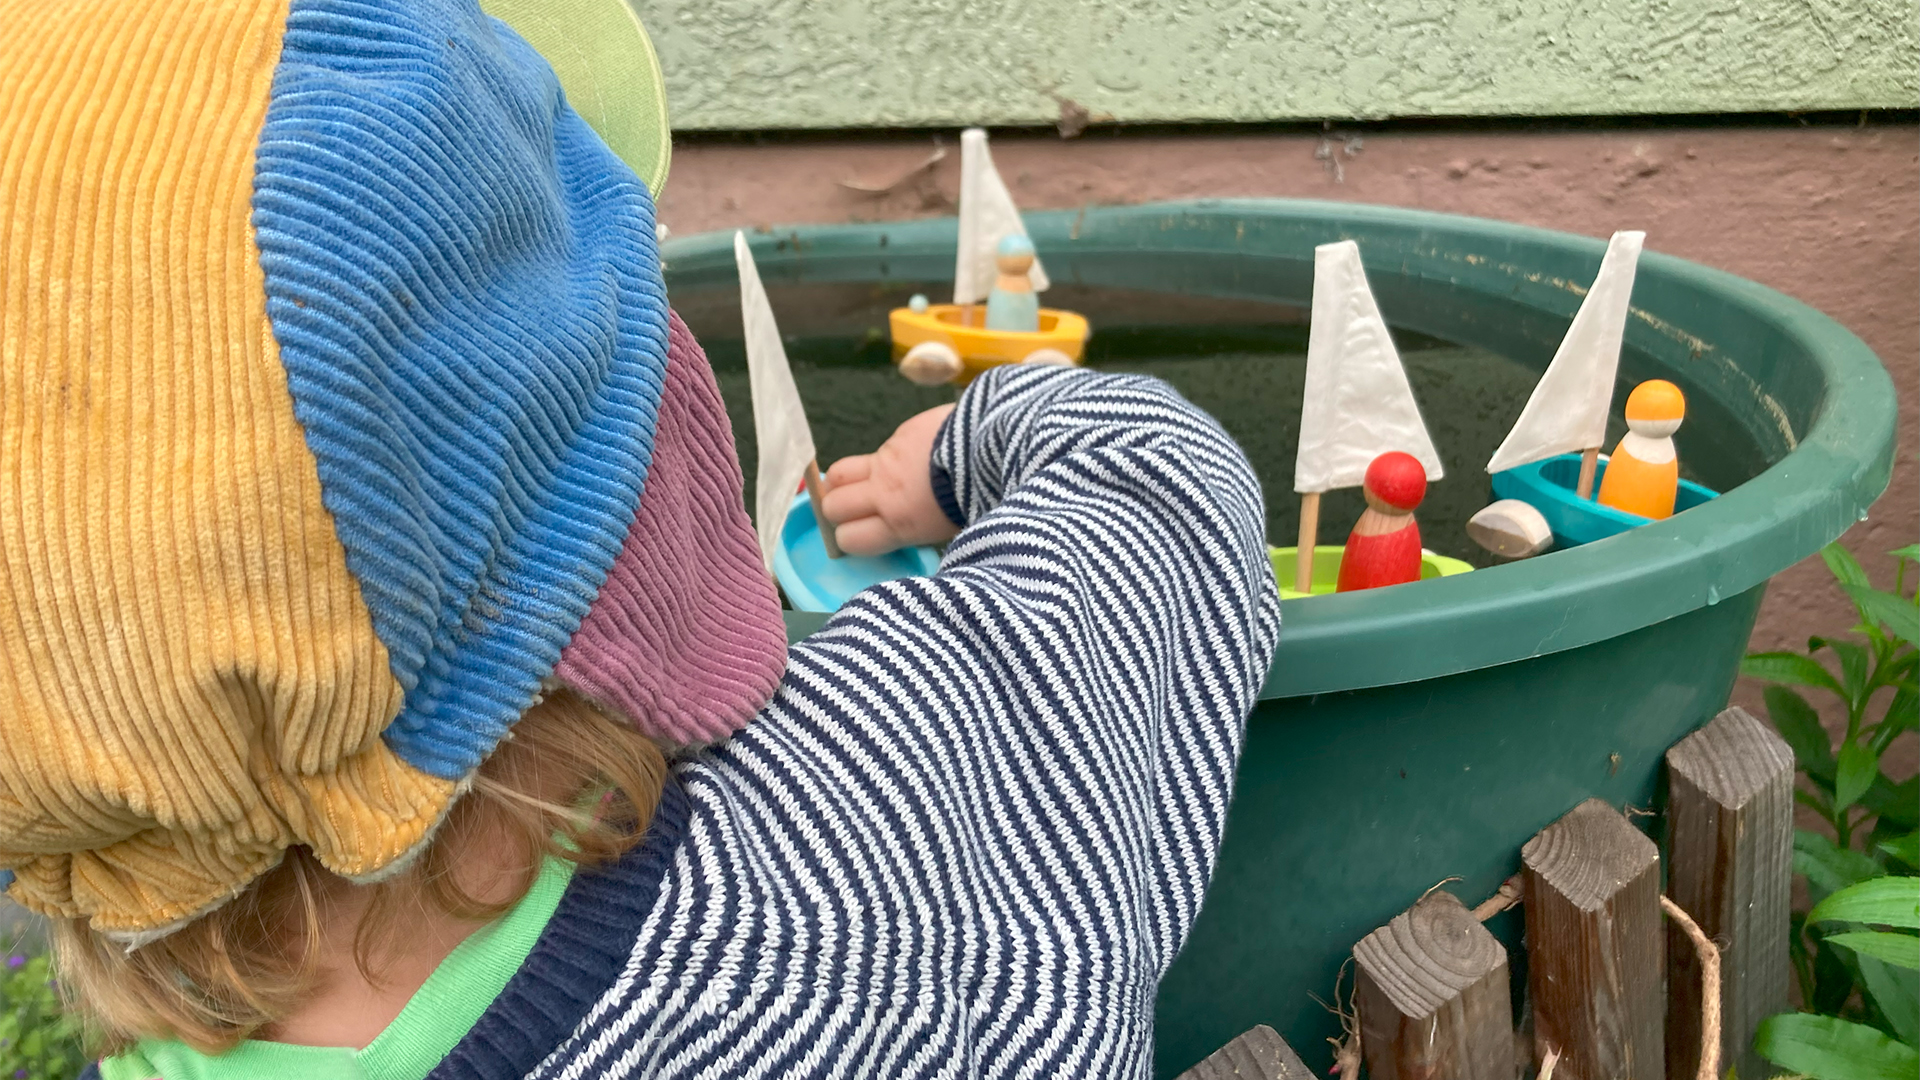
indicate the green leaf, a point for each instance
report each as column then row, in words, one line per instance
column 1900, row 666
column 1896, row 803
column 1900, row 616
column 1817, row 800
column 1828, row 1048
column 1905, row 848
column 1885, row 901
column 1799, row 725
column 1854, row 774
column 1845, row 567
column 1800, row 954
column 1910, row 553
column 1791, row 668
column 1902, row 714
column 1902, row 950
column 1853, row 665
column 1895, row 993
column 1827, row 866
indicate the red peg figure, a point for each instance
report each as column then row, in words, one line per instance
column 1384, row 548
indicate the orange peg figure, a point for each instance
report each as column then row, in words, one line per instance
column 1384, row 548
column 1643, row 474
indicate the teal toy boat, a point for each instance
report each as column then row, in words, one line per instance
column 814, row 582
column 1548, row 486
column 1543, row 503
column 815, row 575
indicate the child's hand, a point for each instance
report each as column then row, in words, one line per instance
column 884, row 500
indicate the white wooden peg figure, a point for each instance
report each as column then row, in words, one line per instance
column 1012, row 304
column 1643, row 475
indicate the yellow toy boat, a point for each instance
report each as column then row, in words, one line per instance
column 951, row 343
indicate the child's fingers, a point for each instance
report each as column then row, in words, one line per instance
column 867, row 536
column 846, row 503
column 850, row 470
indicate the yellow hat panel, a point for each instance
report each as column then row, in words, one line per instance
column 184, row 655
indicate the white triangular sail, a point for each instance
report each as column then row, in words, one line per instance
column 1358, row 404
column 1568, row 409
column 779, row 420
column 987, row 213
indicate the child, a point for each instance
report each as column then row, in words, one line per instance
column 369, row 527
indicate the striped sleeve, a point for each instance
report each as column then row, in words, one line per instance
column 975, row 824
column 1034, row 749
column 1113, row 565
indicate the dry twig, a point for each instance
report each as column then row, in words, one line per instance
column 1346, row 1049
column 882, row 187
column 1511, row 892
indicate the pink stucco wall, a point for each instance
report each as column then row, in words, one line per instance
column 1830, row 214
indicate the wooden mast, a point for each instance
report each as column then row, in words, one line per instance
column 1589, row 464
column 1309, row 537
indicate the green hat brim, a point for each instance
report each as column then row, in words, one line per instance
column 606, row 64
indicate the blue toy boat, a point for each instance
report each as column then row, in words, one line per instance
column 1548, row 486
column 814, row 582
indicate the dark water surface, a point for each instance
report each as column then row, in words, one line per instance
column 1250, row 380
column 1242, row 361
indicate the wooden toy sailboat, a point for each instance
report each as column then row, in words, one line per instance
column 1544, row 473
column 1357, row 406
column 796, row 543
column 939, row 343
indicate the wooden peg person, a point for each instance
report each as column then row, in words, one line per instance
column 1643, row 475
column 1384, row 547
column 1012, row 304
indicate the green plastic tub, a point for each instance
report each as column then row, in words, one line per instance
column 1424, row 732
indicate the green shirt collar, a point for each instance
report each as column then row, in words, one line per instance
column 437, row 1017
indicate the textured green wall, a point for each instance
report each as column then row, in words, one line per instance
column 762, row 64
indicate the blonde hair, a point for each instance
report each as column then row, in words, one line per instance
column 222, row 978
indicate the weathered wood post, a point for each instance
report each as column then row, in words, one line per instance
column 1595, row 947
column 1729, row 865
column 1433, row 996
column 1258, row 1054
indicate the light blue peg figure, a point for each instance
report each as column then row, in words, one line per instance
column 1013, row 305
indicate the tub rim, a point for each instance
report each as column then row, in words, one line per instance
column 1836, row 467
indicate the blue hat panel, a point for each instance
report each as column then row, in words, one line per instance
column 465, row 288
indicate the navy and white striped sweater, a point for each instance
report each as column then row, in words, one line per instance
column 974, row 826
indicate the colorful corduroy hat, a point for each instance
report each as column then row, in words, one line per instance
column 341, row 414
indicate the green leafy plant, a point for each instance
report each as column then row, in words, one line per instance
column 38, row 1039
column 1855, row 951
